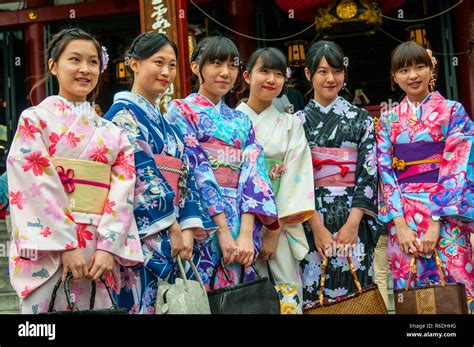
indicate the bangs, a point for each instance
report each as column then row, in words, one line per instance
column 334, row 59
column 220, row 48
column 407, row 54
column 325, row 49
column 272, row 59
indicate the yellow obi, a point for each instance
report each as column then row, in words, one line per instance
column 87, row 183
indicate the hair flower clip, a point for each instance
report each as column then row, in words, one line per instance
column 104, row 59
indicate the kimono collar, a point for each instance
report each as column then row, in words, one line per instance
column 204, row 101
column 245, row 108
column 415, row 106
column 327, row 108
column 79, row 108
column 138, row 100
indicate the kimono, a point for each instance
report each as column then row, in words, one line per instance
column 57, row 206
column 289, row 162
column 347, row 129
column 206, row 126
column 155, row 208
column 439, row 131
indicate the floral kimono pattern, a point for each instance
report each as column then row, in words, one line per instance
column 200, row 122
column 154, row 211
column 451, row 197
column 44, row 222
column 342, row 126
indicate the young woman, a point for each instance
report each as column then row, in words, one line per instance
column 228, row 162
column 342, row 142
column 167, row 206
column 288, row 160
column 426, row 160
column 71, row 179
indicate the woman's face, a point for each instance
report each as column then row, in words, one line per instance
column 154, row 75
column 414, row 80
column 77, row 70
column 326, row 81
column 219, row 77
column 265, row 84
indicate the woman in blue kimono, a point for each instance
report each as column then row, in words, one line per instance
column 167, row 207
column 229, row 165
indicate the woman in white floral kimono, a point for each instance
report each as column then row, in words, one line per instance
column 71, row 178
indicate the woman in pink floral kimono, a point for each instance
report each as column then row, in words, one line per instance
column 71, row 180
column 426, row 164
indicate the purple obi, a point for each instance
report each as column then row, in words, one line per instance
column 417, row 162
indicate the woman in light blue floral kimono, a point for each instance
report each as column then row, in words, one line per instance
column 167, row 206
column 229, row 165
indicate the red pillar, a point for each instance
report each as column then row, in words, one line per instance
column 463, row 33
column 183, row 47
column 35, row 70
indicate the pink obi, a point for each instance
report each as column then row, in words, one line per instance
column 225, row 162
column 172, row 169
column 334, row 167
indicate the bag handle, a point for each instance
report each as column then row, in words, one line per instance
column 413, row 273
column 270, row 274
column 69, row 299
column 195, row 271
column 323, row 278
column 226, row 274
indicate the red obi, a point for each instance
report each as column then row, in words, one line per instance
column 225, row 161
column 172, row 169
column 334, row 167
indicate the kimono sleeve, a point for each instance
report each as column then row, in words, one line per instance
column 255, row 194
column 365, row 193
column 40, row 214
column 295, row 199
column 154, row 208
column 455, row 192
column 390, row 204
column 117, row 228
column 182, row 116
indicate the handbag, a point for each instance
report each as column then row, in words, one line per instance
column 184, row 296
column 73, row 308
column 287, row 294
column 255, row 297
column 444, row 298
column 367, row 300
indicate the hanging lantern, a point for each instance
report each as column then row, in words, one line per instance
column 343, row 17
column 121, row 72
column 296, row 54
column 418, row 34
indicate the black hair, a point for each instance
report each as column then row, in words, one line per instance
column 270, row 58
column 407, row 54
column 213, row 48
column 328, row 49
column 58, row 44
column 147, row 44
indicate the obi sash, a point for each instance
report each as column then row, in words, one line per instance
column 275, row 171
column 173, row 171
column 87, row 183
column 225, row 161
column 334, row 167
column 417, row 162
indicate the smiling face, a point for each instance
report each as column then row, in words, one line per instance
column 77, row 70
column 153, row 76
column 327, row 81
column 216, row 78
column 265, row 84
column 414, row 81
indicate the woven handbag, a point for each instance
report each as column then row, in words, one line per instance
column 254, row 297
column 367, row 300
column 73, row 308
column 443, row 298
column 184, row 296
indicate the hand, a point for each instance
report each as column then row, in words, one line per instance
column 407, row 239
column 74, row 262
column 228, row 246
column 348, row 234
column 176, row 239
column 269, row 245
column 188, row 243
column 101, row 263
column 246, row 249
column 324, row 241
column 430, row 240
